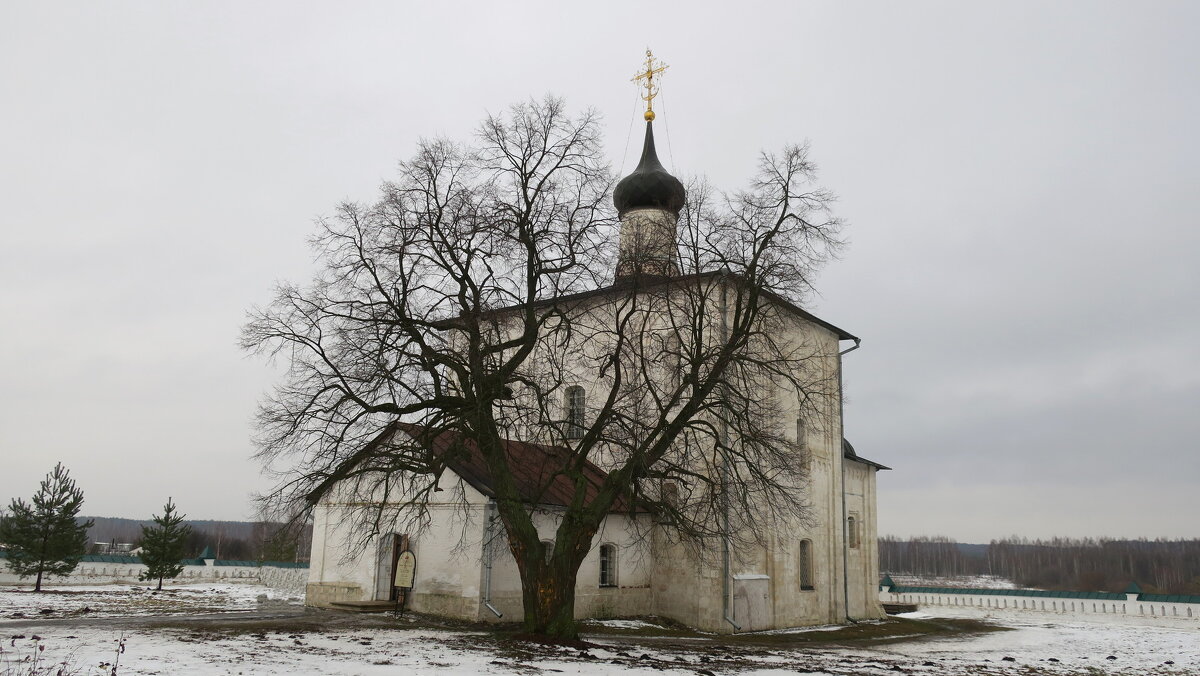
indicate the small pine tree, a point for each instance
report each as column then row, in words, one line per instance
column 45, row 538
column 162, row 546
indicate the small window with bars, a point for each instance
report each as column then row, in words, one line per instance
column 608, row 565
column 802, row 443
column 576, row 409
column 806, row 565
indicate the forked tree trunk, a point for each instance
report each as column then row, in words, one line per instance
column 548, row 587
column 548, row 596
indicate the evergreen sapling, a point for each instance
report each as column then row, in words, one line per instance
column 44, row 538
column 163, row 544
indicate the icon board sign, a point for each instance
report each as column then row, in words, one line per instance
column 406, row 568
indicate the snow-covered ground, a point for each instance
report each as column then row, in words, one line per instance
column 325, row 642
column 1058, row 646
column 960, row 581
column 123, row 600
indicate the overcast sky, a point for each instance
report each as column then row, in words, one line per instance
column 1020, row 179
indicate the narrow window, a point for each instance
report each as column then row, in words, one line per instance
column 852, row 532
column 608, row 565
column 575, row 412
column 673, row 359
column 670, row 494
column 806, row 576
column 802, row 442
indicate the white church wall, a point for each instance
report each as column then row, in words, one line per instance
column 793, row 605
column 687, row 588
column 631, row 595
column 450, row 573
column 344, row 570
column 767, row 580
column 862, row 562
column 447, row 580
column 634, row 561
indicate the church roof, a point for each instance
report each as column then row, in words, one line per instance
column 849, row 454
column 650, row 185
column 537, row 468
column 647, row 283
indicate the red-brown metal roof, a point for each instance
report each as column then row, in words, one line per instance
column 537, row 469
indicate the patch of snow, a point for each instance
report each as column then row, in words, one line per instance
column 625, row 624
column 958, row 581
column 1052, row 645
column 801, row 630
column 122, row 600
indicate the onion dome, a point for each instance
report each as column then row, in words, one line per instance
column 649, row 186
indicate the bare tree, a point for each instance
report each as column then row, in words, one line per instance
column 480, row 287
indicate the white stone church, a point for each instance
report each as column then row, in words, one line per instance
column 822, row 571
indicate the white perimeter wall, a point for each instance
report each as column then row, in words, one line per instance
column 1128, row 610
column 99, row 572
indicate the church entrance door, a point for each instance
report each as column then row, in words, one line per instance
column 385, row 570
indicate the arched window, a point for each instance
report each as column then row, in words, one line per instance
column 548, row 549
column 576, row 419
column 852, row 532
column 608, row 565
column 806, row 568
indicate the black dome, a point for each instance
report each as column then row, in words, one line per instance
column 649, row 185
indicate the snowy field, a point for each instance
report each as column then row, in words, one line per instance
column 124, row 600
column 228, row 629
column 960, row 581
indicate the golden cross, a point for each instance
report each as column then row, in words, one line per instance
column 652, row 69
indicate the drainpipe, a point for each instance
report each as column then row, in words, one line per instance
column 725, row 590
column 839, row 454
column 489, row 516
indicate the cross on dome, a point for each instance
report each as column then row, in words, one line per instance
column 646, row 78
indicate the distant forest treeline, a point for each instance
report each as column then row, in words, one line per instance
column 1159, row 566
column 236, row 540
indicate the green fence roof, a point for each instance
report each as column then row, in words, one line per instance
column 111, row 558
column 134, row 560
column 1169, row 598
column 1035, row 593
column 255, row 564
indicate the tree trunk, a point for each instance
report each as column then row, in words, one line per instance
column 548, row 597
column 37, row 587
column 159, row 584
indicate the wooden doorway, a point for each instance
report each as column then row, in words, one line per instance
column 390, row 546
